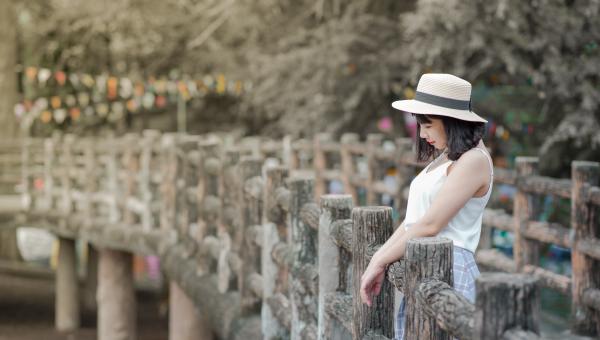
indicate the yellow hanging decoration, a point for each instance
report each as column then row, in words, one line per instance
column 55, row 102
column 220, row 84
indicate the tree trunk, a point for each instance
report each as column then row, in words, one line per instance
column 8, row 98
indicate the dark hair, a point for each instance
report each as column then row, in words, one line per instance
column 461, row 136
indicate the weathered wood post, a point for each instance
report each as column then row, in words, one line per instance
column 274, row 231
column 373, row 143
column 67, row 287
column 333, row 261
column 506, row 303
column 89, row 212
column 208, row 195
column 251, row 206
column 585, row 274
column 67, row 282
column 116, row 294
column 185, row 322
column 525, row 251
column 429, row 257
column 320, row 163
column 372, row 226
column 347, row 165
column 303, row 278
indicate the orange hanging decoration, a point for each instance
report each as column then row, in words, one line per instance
column 55, row 102
column 61, row 77
column 75, row 113
column 46, row 117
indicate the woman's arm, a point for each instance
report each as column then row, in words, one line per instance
column 462, row 183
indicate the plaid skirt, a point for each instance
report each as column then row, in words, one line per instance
column 465, row 271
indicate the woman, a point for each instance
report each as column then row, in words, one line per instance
column 448, row 197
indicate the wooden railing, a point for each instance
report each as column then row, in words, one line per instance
column 244, row 229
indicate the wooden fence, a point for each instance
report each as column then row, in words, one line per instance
column 247, row 231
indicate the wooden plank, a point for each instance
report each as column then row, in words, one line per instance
column 495, row 259
column 549, row 233
column 550, row 279
column 498, row 219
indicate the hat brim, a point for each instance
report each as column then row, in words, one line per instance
column 418, row 107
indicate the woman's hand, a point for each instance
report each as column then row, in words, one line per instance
column 371, row 281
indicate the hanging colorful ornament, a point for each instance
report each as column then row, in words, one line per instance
column 83, row 99
column 74, row 80
column 31, row 73
column 238, row 87
column 43, row 75
column 55, row 102
column 87, row 80
column 208, row 81
column 70, row 100
column 161, row 86
column 192, row 88
column 161, row 101
column 220, row 84
column 139, row 89
column 61, row 77
column 102, row 109
column 41, row 103
column 125, row 88
column 101, row 83
column 148, row 100
column 74, row 113
column 46, row 116
column 60, row 115
column 112, row 87
column 132, row 105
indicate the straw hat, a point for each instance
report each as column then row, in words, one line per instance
column 441, row 94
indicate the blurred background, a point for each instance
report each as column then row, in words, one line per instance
column 300, row 67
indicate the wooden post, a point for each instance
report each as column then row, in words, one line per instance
column 304, row 249
column 428, row 257
column 373, row 143
column 525, row 251
column 184, row 321
column 249, row 174
column 372, row 226
column 320, row 163
column 148, row 142
column 67, row 287
column 585, row 273
column 91, row 279
column 168, row 190
column 274, row 231
column 208, row 195
column 505, row 302
column 348, row 164
column 332, row 264
column 116, row 296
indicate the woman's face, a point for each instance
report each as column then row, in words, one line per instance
column 434, row 133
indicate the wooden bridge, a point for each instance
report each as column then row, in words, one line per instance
column 255, row 247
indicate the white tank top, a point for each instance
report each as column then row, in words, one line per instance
column 464, row 228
